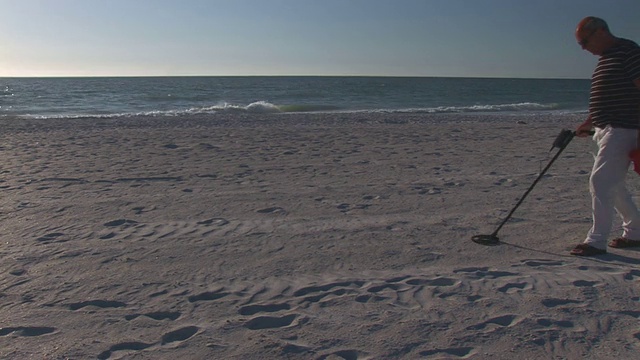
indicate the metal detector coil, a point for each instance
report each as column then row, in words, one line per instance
column 562, row 140
column 489, row 240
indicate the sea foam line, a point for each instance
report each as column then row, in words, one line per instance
column 264, row 107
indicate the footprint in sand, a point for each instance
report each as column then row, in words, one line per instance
column 345, row 355
column 104, row 304
column 120, row 222
column 178, row 335
column 18, row 272
column 28, row 331
column 437, row 282
column 484, row 272
column 515, row 287
column 500, row 321
column 296, row 349
column 380, row 288
column 272, row 210
column 161, row 315
column 584, row 283
column 550, row 303
column 326, row 288
column 271, row 322
column 632, row 274
column 542, row 262
column 363, row 299
column 214, row 221
column 107, row 236
column 207, row 296
column 51, row 237
column 555, row 323
column 125, row 346
column 269, row 308
column 462, row 352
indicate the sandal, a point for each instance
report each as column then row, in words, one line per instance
column 624, row 243
column 587, row 250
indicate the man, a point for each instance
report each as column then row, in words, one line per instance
column 614, row 114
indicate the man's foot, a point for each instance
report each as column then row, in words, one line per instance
column 621, row 243
column 587, row 250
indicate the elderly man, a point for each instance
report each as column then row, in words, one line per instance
column 614, row 114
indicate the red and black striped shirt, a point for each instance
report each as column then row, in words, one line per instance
column 614, row 99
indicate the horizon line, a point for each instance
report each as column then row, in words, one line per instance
column 327, row 76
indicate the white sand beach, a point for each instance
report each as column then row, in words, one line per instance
column 333, row 236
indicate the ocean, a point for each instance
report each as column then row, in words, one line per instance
column 95, row 97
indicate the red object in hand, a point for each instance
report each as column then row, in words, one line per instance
column 635, row 157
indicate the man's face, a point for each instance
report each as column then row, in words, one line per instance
column 590, row 40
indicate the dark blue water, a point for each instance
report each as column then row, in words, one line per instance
column 181, row 96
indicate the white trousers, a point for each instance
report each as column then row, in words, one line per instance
column 607, row 185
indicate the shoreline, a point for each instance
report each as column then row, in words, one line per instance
column 298, row 119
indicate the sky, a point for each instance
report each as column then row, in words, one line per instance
column 452, row 38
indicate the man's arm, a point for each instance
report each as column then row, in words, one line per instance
column 637, row 83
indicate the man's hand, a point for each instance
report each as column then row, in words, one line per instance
column 584, row 129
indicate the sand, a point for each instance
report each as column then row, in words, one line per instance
column 342, row 236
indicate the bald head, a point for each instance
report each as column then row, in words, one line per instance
column 593, row 35
column 591, row 24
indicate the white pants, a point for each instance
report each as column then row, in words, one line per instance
column 607, row 185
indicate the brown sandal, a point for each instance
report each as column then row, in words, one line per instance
column 622, row 243
column 587, row 250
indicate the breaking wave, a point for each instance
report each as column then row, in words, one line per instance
column 264, row 107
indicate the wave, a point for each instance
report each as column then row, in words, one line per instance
column 258, row 107
column 264, row 107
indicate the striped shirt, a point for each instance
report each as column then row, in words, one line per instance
column 614, row 99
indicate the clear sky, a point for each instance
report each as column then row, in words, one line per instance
column 469, row 38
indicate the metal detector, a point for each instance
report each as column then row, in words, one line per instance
column 561, row 142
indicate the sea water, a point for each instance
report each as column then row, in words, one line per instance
column 96, row 97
